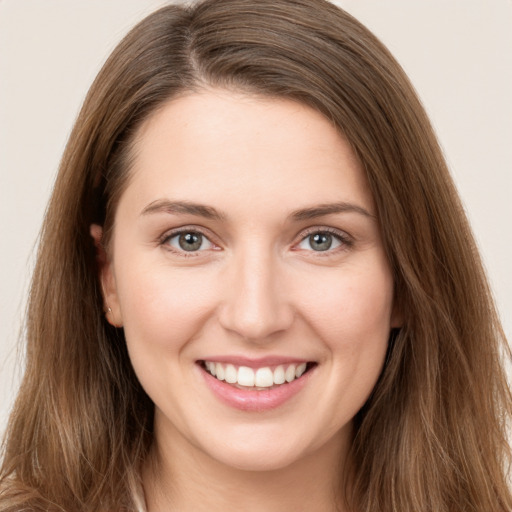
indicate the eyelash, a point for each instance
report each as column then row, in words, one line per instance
column 346, row 242
column 182, row 231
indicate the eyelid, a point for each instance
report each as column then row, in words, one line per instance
column 346, row 241
column 163, row 239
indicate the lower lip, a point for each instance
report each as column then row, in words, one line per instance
column 255, row 400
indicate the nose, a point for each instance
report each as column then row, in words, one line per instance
column 256, row 306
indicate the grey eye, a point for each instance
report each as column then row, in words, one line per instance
column 320, row 241
column 189, row 241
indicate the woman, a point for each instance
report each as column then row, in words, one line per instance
column 256, row 282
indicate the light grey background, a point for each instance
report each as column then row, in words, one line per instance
column 457, row 53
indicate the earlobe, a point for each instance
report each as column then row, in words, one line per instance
column 107, row 279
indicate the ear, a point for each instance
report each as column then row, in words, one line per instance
column 107, row 279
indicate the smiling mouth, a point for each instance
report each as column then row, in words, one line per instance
column 256, row 379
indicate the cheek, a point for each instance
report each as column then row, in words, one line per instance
column 351, row 307
column 163, row 310
column 351, row 315
column 161, row 306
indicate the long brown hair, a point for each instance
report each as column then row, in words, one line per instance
column 432, row 437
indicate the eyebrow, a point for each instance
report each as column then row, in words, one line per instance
column 185, row 207
column 329, row 209
column 208, row 212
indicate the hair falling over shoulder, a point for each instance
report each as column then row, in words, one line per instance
column 433, row 435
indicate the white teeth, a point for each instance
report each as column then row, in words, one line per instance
column 245, row 376
column 264, row 378
column 289, row 374
column 219, row 371
column 279, row 375
column 231, row 374
column 259, row 378
column 300, row 370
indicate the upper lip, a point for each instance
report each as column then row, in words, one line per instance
column 259, row 362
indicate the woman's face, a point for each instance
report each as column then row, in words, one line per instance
column 246, row 245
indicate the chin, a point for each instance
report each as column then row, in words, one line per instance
column 258, row 451
column 244, row 460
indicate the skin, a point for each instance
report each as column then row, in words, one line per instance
column 257, row 287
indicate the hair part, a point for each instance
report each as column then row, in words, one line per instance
column 432, row 436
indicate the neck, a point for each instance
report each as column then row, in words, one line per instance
column 181, row 477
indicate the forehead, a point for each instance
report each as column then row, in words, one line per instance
column 219, row 145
